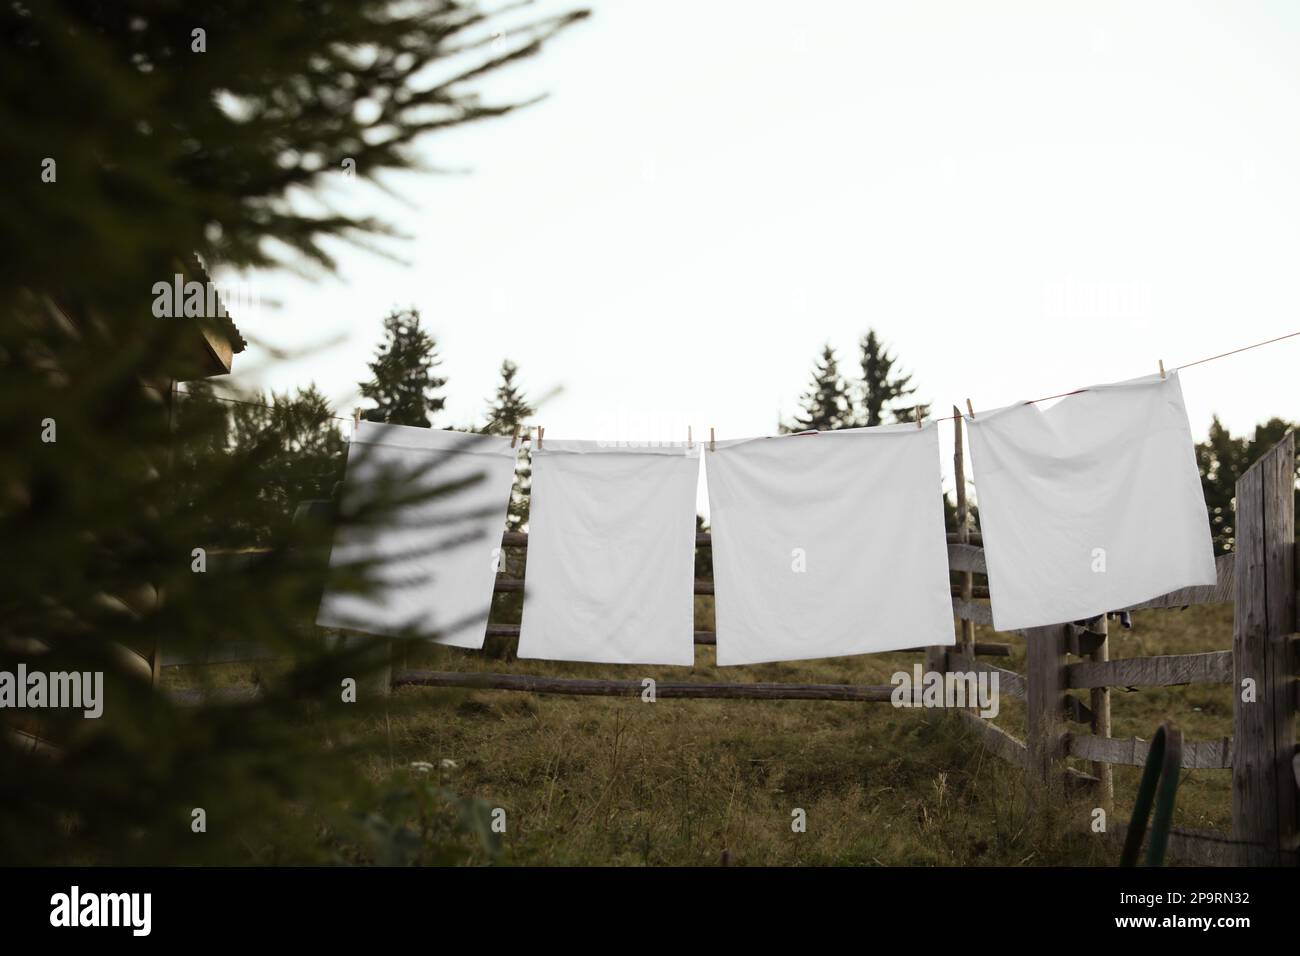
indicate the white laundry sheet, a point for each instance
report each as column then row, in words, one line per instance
column 828, row 544
column 611, row 554
column 1090, row 505
column 439, row 555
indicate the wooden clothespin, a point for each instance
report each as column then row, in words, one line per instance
column 712, row 446
column 1162, row 367
column 690, row 441
column 918, row 416
column 514, row 441
column 540, row 432
column 969, row 408
column 356, row 415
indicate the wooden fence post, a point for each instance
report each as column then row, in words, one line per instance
column 963, row 528
column 1100, row 704
column 1264, row 625
column 1045, row 701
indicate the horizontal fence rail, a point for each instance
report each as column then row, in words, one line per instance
column 1197, row 754
column 1212, row 667
column 1009, row 682
column 589, row 687
column 1219, row 593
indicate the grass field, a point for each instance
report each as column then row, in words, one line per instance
column 616, row 781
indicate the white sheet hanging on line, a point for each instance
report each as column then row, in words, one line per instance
column 439, row 554
column 1091, row 505
column 828, row 544
column 611, row 554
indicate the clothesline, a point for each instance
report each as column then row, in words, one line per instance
column 945, row 418
column 611, row 548
column 1179, row 368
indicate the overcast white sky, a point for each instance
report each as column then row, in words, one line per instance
column 1022, row 198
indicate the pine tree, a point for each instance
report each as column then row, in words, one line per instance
column 825, row 406
column 883, row 390
column 403, row 385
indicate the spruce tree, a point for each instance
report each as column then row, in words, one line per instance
column 138, row 133
column 826, row 405
column 510, row 407
column 883, row 390
column 403, row 384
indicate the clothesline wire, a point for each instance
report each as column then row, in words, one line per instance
column 1178, row 368
column 945, row 418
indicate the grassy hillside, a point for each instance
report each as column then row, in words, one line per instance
column 618, row 781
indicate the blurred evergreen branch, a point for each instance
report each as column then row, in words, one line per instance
column 160, row 152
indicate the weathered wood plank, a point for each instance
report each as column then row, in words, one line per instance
column 1197, row 754
column 1045, row 711
column 1002, row 744
column 1220, row 593
column 1263, row 793
column 967, row 558
column 971, row 611
column 1212, row 667
column 1278, row 467
column 1009, row 682
column 588, row 687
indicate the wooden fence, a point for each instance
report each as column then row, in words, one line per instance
column 1258, row 578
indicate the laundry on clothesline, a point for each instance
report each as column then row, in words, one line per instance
column 828, row 544
column 1090, row 505
column 824, row 544
column 611, row 554
column 437, row 550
